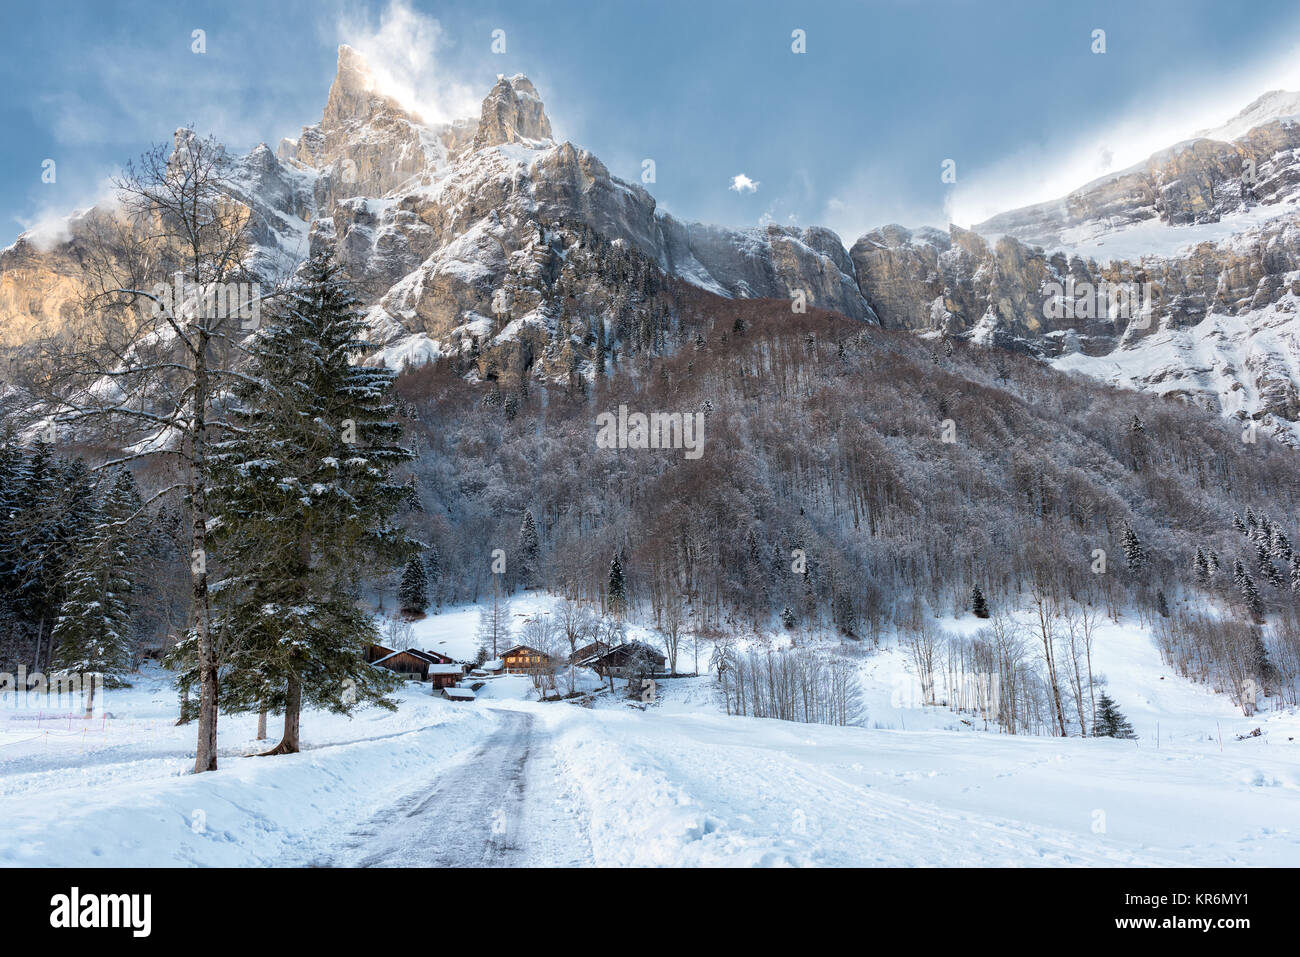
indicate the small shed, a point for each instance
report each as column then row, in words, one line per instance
column 457, row 694
column 444, row 675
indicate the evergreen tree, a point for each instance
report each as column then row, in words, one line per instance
column 304, row 501
column 1249, row 593
column 1238, row 524
column 93, row 634
column 978, row 606
column 617, row 587
column 1279, row 544
column 413, row 592
column 51, row 506
column 787, row 618
column 1201, row 567
column 1162, row 604
column 846, row 617
column 1110, row 722
column 412, row 496
column 1260, row 660
column 1238, row 573
column 528, row 550
column 1267, row 570
column 1295, row 574
column 1134, row 554
column 433, row 570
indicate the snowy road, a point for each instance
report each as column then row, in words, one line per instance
column 499, row 808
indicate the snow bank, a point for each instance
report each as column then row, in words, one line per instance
column 119, row 793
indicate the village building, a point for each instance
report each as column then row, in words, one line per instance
column 414, row 664
column 587, row 652
column 628, row 660
column 522, row 659
column 445, row 675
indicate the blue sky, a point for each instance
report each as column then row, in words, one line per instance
column 851, row 134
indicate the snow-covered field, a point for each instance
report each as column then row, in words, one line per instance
column 513, row 781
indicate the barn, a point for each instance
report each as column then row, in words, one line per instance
column 593, row 650
column 627, row 660
column 415, row 664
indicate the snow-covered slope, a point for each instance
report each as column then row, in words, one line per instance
column 679, row 783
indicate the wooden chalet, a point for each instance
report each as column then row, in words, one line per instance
column 587, row 652
column 628, row 659
column 375, row 652
column 524, row 660
column 416, row 664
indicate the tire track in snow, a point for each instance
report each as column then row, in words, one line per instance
column 480, row 813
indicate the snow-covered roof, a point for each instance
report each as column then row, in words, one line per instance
column 452, row 669
column 462, row 694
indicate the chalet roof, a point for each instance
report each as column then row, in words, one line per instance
column 428, row 657
column 394, row 654
column 520, row 649
column 431, row 656
column 445, row 669
column 461, row 694
column 627, row 650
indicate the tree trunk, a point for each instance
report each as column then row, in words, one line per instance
column 289, row 741
column 261, row 724
column 205, row 754
column 89, row 695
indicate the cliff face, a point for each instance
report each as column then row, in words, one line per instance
column 1214, row 322
column 1205, row 233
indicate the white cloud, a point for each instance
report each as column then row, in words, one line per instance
column 51, row 223
column 743, row 184
column 403, row 55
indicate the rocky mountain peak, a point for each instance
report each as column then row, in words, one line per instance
column 353, row 96
column 513, row 113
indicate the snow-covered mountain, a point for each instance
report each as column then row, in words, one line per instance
column 1211, row 224
column 487, row 239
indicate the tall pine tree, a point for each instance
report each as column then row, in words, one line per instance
column 93, row 636
column 413, row 592
column 304, row 501
column 617, row 587
column 528, row 550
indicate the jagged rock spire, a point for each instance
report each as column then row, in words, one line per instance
column 512, row 113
